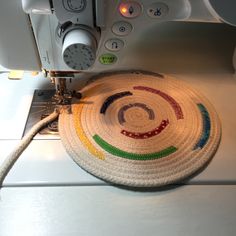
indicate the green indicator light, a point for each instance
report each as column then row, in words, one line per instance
column 107, row 59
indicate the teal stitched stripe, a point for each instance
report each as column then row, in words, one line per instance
column 206, row 130
column 133, row 156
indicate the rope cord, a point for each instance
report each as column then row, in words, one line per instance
column 14, row 155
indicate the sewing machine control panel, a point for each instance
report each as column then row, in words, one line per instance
column 97, row 35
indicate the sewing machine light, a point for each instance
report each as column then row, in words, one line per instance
column 123, row 10
column 16, row 75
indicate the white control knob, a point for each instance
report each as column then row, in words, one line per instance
column 79, row 49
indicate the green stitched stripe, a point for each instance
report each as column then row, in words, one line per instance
column 133, row 156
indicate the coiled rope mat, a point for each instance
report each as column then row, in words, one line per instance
column 140, row 129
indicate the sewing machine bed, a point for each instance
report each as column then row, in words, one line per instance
column 89, row 206
column 55, row 167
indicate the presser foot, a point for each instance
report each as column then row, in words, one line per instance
column 63, row 97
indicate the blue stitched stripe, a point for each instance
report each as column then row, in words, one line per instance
column 112, row 99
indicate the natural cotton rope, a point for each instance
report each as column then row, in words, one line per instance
column 140, row 129
column 13, row 156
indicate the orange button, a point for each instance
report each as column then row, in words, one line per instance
column 130, row 9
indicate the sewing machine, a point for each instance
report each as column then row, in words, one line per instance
column 68, row 42
column 62, row 37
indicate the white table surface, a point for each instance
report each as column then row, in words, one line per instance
column 106, row 211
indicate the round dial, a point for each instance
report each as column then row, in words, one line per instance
column 79, row 49
column 76, row 5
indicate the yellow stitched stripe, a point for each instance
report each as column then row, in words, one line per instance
column 77, row 110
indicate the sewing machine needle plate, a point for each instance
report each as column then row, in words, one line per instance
column 140, row 129
column 43, row 105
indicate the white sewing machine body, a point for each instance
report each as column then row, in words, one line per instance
column 45, row 180
column 107, row 30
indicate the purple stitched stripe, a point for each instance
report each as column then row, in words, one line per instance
column 121, row 113
column 172, row 102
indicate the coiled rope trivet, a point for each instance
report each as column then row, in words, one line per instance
column 140, row 129
column 14, row 155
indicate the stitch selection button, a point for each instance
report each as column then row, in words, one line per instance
column 158, row 10
column 114, row 45
column 75, row 5
column 122, row 28
column 107, row 59
column 130, row 9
